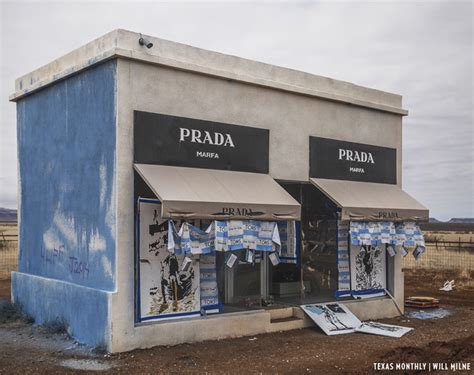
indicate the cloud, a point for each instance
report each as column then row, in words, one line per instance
column 422, row 50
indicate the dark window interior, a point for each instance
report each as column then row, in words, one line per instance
column 314, row 278
column 141, row 188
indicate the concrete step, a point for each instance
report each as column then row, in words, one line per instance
column 286, row 324
column 298, row 312
column 281, row 313
column 282, row 320
column 287, row 318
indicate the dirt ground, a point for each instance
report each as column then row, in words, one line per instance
column 29, row 349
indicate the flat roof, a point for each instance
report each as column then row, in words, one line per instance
column 124, row 44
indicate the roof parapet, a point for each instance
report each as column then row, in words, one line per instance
column 124, row 44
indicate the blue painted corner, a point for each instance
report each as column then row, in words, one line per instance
column 84, row 311
column 66, row 144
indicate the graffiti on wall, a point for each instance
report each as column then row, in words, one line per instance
column 78, row 267
column 52, row 255
column 56, row 257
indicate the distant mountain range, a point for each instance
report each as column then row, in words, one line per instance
column 454, row 220
column 7, row 214
column 466, row 220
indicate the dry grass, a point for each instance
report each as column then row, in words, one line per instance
column 8, row 249
column 8, row 229
column 465, row 237
column 449, row 251
column 12, row 315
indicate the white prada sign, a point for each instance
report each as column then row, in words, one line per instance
column 354, row 155
column 196, row 143
column 205, row 137
column 351, row 161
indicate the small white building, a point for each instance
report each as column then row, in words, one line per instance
column 120, row 141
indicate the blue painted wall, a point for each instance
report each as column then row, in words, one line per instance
column 66, row 142
column 84, row 310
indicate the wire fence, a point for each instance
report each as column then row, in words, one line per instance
column 446, row 250
column 443, row 256
column 8, row 249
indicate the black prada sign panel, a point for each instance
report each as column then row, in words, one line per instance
column 185, row 142
column 340, row 160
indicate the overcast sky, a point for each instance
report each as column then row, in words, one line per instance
column 422, row 50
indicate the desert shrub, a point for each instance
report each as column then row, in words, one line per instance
column 57, row 326
column 10, row 313
column 100, row 349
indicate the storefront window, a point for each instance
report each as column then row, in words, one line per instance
column 244, row 286
column 285, row 285
column 314, row 278
column 319, row 260
column 240, row 287
column 309, row 276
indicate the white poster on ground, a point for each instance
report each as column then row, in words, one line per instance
column 165, row 289
column 332, row 318
column 382, row 329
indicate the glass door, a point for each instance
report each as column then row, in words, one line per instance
column 244, row 285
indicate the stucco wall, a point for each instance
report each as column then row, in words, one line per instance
column 291, row 119
column 66, row 144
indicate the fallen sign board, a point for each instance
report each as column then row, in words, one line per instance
column 332, row 318
column 336, row 319
column 376, row 328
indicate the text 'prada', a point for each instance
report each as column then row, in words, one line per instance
column 360, row 156
column 205, row 137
